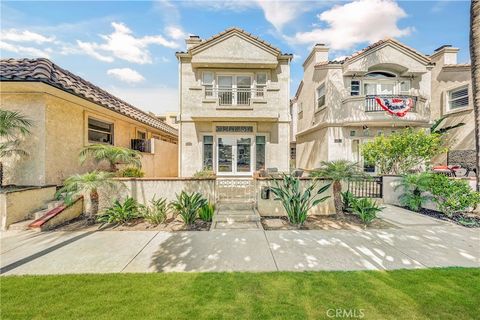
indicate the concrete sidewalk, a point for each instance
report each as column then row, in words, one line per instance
column 418, row 242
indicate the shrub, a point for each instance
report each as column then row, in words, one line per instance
column 156, row 212
column 119, row 212
column 348, row 199
column 204, row 174
column 187, row 206
column 402, row 151
column 113, row 155
column 206, row 212
column 451, row 195
column 295, row 200
column 366, row 209
column 131, row 172
column 414, row 187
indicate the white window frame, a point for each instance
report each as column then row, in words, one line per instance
column 359, row 87
column 208, row 87
column 317, row 97
column 449, row 99
column 260, row 93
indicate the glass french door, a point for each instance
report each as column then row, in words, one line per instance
column 234, row 155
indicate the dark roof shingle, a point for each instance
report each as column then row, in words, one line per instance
column 43, row 70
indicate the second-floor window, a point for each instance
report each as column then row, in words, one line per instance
column 355, row 88
column 458, row 98
column 320, row 96
column 207, row 83
column 261, row 84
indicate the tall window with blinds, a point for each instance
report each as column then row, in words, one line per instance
column 458, row 98
column 260, row 152
column 355, row 88
column 208, row 152
column 320, row 96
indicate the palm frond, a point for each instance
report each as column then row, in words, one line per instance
column 13, row 124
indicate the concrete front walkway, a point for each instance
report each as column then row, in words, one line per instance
column 417, row 242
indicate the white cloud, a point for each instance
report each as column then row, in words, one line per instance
column 175, row 33
column 159, row 99
column 122, row 44
column 279, row 13
column 126, row 75
column 354, row 23
column 16, row 35
column 27, row 51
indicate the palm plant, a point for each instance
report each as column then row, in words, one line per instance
column 414, row 187
column 13, row 125
column 435, row 130
column 338, row 171
column 187, row 206
column 295, row 200
column 112, row 154
column 88, row 184
column 475, row 57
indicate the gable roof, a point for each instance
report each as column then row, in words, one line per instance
column 234, row 30
column 43, row 70
column 377, row 44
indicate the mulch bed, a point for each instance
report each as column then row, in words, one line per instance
column 468, row 220
column 171, row 224
column 332, row 222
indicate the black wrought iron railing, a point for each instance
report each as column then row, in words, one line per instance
column 371, row 105
column 367, row 187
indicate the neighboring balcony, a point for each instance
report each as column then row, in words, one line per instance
column 366, row 110
column 234, row 96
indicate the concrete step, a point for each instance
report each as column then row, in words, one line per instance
column 53, row 204
column 237, row 225
column 237, row 205
column 21, row 225
column 236, row 218
column 40, row 213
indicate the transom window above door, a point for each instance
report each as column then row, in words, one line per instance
column 380, row 83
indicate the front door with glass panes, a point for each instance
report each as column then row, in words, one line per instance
column 234, row 155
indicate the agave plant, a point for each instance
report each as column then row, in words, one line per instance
column 206, row 212
column 338, row 171
column 187, row 206
column 112, row 154
column 120, row 212
column 88, row 184
column 434, row 128
column 297, row 200
column 155, row 212
column 366, row 209
column 348, row 199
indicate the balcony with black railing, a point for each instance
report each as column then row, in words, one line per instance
column 372, row 105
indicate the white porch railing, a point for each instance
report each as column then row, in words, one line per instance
column 234, row 96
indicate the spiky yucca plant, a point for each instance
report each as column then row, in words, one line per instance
column 112, row 154
column 187, row 206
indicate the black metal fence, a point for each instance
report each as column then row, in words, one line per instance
column 367, row 187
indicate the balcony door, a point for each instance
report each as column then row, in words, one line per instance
column 234, row 155
column 234, row 89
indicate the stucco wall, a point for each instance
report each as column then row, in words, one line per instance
column 69, row 213
column 61, row 130
column 18, row 205
column 28, row 170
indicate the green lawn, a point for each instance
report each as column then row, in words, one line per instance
column 452, row 293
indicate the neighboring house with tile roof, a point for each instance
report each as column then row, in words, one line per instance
column 69, row 113
column 234, row 105
column 344, row 103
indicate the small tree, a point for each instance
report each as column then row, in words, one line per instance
column 88, row 184
column 338, row 171
column 13, row 125
column 403, row 151
column 295, row 200
column 112, row 154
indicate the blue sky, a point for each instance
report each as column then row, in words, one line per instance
column 128, row 48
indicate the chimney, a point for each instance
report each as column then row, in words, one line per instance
column 320, row 52
column 446, row 54
column 192, row 41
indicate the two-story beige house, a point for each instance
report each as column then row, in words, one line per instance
column 387, row 86
column 234, row 105
column 342, row 104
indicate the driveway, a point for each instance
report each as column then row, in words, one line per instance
column 417, row 242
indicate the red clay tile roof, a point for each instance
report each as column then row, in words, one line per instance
column 43, row 70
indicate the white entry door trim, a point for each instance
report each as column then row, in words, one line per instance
column 234, row 155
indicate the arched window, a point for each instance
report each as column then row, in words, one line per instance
column 379, row 75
